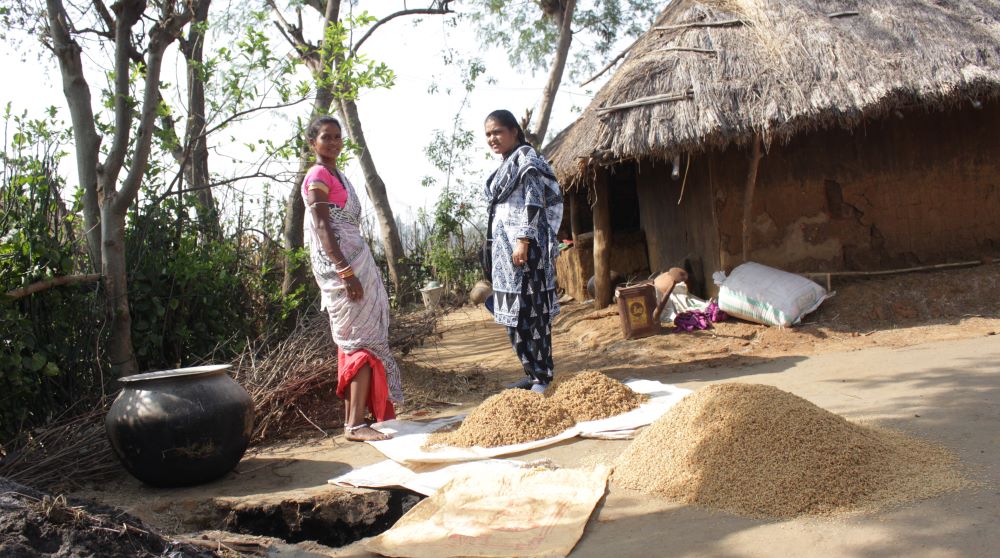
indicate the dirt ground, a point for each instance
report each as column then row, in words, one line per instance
column 470, row 358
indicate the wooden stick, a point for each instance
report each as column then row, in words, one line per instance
column 610, row 64
column 843, row 14
column 721, row 23
column 684, row 182
column 748, row 195
column 651, row 100
column 54, row 282
column 829, row 274
column 687, row 49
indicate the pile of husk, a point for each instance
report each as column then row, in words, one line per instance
column 515, row 416
column 758, row 451
column 510, row 417
column 593, row 395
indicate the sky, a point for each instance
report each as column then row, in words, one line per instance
column 398, row 122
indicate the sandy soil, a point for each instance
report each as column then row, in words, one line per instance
column 888, row 311
column 470, row 359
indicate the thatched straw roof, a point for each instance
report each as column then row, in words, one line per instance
column 713, row 72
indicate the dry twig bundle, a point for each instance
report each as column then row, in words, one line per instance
column 65, row 454
column 295, row 384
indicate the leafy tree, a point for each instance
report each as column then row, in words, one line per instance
column 340, row 71
column 538, row 34
column 448, row 253
column 112, row 157
column 46, row 334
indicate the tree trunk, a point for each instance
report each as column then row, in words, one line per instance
column 391, row 242
column 196, row 167
column 119, row 350
column 295, row 209
column 537, row 134
column 100, row 180
column 85, row 138
column 602, row 243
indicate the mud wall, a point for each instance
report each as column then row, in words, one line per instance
column 916, row 188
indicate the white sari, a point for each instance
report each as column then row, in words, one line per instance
column 356, row 324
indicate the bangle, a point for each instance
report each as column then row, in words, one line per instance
column 346, row 272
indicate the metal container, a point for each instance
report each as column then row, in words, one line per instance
column 180, row 427
column 635, row 308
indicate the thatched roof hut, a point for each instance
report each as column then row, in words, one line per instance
column 713, row 72
column 714, row 78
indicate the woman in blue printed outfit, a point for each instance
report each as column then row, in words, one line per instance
column 525, row 210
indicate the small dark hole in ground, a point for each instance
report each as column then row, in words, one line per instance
column 331, row 522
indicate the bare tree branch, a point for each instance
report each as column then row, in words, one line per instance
column 424, row 11
column 54, row 282
column 161, row 36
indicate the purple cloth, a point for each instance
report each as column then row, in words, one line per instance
column 699, row 319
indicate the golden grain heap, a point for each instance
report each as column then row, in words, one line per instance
column 759, row 451
column 512, row 416
column 593, row 395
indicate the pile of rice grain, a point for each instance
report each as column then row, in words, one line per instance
column 512, row 416
column 759, row 451
column 593, row 395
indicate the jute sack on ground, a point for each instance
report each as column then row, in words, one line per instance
column 532, row 512
column 766, row 295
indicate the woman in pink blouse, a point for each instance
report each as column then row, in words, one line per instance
column 352, row 290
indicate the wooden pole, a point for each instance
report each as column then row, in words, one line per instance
column 602, row 243
column 748, row 195
column 574, row 215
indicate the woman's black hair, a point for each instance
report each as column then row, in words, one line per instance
column 507, row 119
column 313, row 130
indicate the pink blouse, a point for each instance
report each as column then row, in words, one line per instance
column 318, row 173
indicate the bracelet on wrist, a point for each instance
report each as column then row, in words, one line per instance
column 346, row 272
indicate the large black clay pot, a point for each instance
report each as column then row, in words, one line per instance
column 180, row 427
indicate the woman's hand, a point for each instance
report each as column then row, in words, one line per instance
column 520, row 254
column 354, row 289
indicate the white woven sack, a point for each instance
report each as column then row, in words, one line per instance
column 766, row 295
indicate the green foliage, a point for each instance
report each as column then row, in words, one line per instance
column 352, row 71
column 447, row 251
column 46, row 338
column 529, row 32
column 193, row 296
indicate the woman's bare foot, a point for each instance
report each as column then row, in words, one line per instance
column 364, row 433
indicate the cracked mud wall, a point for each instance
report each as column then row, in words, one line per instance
column 919, row 189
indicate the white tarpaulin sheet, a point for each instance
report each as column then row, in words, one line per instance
column 519, row 512
column 422, row 478
column 409, row 437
